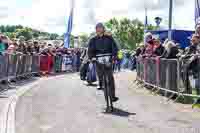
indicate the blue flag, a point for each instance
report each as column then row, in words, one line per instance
column 69, row 29
column 197, row 12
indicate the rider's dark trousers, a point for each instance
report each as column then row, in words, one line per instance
column 109, row 71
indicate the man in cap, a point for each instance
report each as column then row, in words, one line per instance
column 99, row 46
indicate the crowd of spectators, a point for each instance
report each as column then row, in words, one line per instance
column 188, row 57
column 169, row 50
column 18, row 46
column 33, row 47
column 154, row 48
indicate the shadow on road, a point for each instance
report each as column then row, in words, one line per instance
column 3, row 96
column 14, row 85
column 92, row 85
column 121, row 113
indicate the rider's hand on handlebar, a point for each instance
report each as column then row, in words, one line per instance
column 92, row 60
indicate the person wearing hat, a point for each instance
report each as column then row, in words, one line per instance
column 99, row 46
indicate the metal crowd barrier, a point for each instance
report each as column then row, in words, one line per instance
column 18, row 65
column 45, row 63
column 35, row 67
column 166, row 74
column 3, row 67
column 67, row 63
column 58, row 63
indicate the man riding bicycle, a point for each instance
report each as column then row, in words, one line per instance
column 103, row 45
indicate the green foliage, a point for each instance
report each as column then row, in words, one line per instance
column 10, row 34
column 53, row 36
column 71, row 41
column 36, row 34
column 84, row 40
column 151, row 27
column 128, row 33
column 28, row 33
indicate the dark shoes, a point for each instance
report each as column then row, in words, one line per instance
column 99, row 88
column 115, row 99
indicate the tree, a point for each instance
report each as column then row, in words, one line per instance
column 2, row 28
column 127, row 32
column 151, row 27
column 26, row 32
column 19, row 27
column 36, row 34
column 11, row 35
column 84, row 40
column 10, row 28
column 53, row 36
column 71, row 41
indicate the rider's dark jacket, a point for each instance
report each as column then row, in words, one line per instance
column 102, row 45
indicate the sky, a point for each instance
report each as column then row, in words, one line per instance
column 52, row 15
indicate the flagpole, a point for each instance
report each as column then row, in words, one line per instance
column 145, row 28
column 170, row 19
column 145, row 23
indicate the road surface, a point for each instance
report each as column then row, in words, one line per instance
column 65, row 105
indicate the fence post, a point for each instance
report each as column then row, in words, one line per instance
column 158, row 71
column 178, row 75
column 145, row 71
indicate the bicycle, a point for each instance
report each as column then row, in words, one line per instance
column 106, row 62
